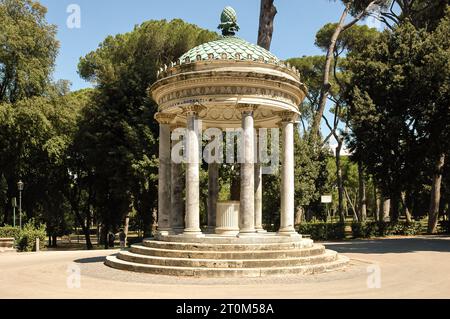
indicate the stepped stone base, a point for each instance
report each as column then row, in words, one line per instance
column 7, row 245
column 221, row 257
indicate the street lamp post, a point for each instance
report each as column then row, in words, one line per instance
column 20, row 188
column 14, row 205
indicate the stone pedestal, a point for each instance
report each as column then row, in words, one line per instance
column 227, row 219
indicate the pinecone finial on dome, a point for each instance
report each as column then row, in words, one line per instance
column 228, row 19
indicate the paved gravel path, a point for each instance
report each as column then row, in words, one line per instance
column 416, row 267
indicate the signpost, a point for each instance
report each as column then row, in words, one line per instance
column 327, row 199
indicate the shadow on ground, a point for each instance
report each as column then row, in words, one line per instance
column 392, row 245
column 91, row 260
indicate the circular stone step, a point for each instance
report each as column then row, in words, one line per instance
column 304, row 243
column 328, row 256
column 114, row 262
column 260, row 238
column 220, row 255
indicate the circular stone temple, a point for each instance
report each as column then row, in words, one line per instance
column 225, row 84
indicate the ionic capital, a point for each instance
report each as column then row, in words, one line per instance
column 165, row 118
column 194, row 109
column 246, row 108
column 287, row 116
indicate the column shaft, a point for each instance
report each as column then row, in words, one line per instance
column 247, row 198
column 287, row 180
column 164, row 178
column 192, row 219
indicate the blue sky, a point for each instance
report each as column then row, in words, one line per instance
column 295, row 27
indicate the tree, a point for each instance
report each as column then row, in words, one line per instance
column 400, row 111
column 267, row 16
column 359, row 9
column 118, row 132
column 28, row 48
column 311, row 69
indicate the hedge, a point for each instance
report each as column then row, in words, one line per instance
column 323, row 231
column 444, row 226
column 25, row 239
column 381, row 229
column 9, row 232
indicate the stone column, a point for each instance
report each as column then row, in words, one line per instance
column 247, row 198
column 192, row 218
column 258, row 188
column 164, row 175
column 213, row 195
column 287, row 175
column 177, row 209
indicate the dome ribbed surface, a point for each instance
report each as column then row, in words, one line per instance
column 233, row 47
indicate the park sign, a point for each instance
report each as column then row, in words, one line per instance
column 326, row 199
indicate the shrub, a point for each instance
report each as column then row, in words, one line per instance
column 381, row 229
column 27, row 236
column 323, row 231
column 444, row 226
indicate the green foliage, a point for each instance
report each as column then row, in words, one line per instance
column 399, row 97
column 381, row 229
column 28, row 49
column 116, row 145
column 444, row 226
column 25, row 238
column 9, row 232
column 323, row 231
column 26, row 241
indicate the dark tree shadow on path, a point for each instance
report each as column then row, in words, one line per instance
column 392, row 245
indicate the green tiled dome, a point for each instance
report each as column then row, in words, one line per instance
column 231, row 48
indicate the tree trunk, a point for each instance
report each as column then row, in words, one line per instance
column 340, row 183
column 433, row 214
column 386, row 210
column 362, row 207
column 377, row 202
column 85, row 229
column 235, row 184
column 350, row 202
column 127, row 225
column 298, row 215
column 315, row 128
column 395, row 206
column 54, row 241
column 326, row 86
column 406, row 203
column 266, row 18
